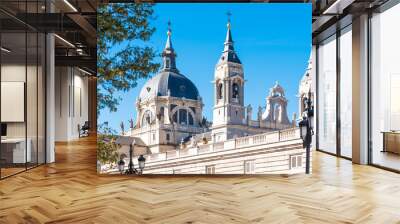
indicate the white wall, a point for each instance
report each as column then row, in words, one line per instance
column 33, row 125
column 71, row 102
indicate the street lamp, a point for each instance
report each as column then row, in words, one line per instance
column 128, row 141
column 121, row 163
column 142, row 162
column 303, row 125
column 306, row 128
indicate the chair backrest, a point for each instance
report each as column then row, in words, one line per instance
column 86, row 125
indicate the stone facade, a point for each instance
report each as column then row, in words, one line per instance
column 278, row 152
column 305, row 87
column 231, row 118
column 169, row 107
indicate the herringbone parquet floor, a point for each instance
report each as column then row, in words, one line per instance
column 70, row 191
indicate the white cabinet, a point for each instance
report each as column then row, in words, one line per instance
column 19, row 154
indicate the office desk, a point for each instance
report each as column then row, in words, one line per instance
column 13, row 150
column 391, row 141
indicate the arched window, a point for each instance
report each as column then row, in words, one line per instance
column 182, row 116
column 175, row 117
column 235, row 91
column 146, row 119
column 219, row 90
column 191, row 121
column 277, row 111
column 160, row 114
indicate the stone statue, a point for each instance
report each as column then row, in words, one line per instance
column 249, row 113
column 259, row 113
column 131, row 123
column 193, row 142
column 122, row 127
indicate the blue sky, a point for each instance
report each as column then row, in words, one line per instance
column 273, row 41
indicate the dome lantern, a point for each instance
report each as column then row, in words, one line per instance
column 168, row 53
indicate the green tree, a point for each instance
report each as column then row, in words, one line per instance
column 118, row 69
column 107, row 151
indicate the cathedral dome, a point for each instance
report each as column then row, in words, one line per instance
column 168, row 83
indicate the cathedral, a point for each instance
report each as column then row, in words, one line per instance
column 170, row 108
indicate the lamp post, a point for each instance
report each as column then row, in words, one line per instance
column 306, row 129
column 130, row 141
column 131, row 169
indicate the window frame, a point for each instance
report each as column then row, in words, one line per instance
column 251, row 164
column 210, row 167
column 298, row 159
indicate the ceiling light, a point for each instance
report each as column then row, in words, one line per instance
column 70, row 5
column 337, row 7
column 64, row 40
column 84, row 71
column 5, row 50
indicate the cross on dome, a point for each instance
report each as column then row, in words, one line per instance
column 169, row 32
column 169, row 53
column 228, row 13
column 229, row 54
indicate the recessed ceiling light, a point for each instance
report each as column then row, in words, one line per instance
column 64, row 40
column 5, row 50
column 70, row 5
column 86, row 72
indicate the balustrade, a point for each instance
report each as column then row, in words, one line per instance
column 266, row 138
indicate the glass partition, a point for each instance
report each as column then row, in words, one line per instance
column 346, row 92
column 327, row 95
column 385, row 89
column 22, row 101
column 13, row 95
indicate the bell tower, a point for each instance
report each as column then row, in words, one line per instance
column 228, row 86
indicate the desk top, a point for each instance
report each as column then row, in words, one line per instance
column 391, row 132
column 13, row 140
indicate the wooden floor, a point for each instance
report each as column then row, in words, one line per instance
column 70, row 191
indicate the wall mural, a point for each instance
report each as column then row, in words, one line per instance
column 172, row 135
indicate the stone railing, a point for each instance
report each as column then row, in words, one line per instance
column 268, row 138
column 184, row 128
column 175, row 127
column 248, row 141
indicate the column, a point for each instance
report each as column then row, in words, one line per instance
column 360, row 89
column 50, row 98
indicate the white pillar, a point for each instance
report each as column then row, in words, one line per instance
column 50, row 98
column 360, row 90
